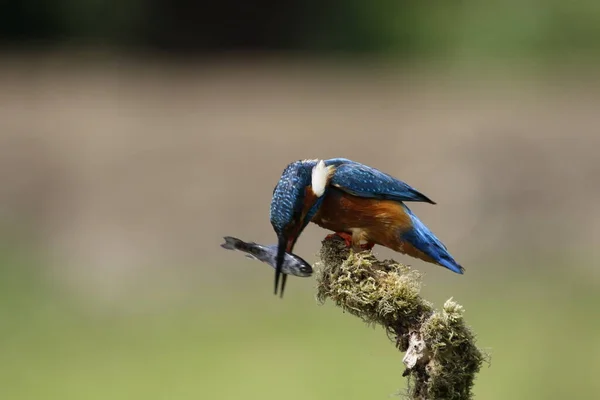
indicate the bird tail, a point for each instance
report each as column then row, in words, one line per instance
column 423, row 240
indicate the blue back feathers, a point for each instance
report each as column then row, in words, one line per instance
column 364, row 181
column 350, row 176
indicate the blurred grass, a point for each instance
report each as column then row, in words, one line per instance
column 542, row 334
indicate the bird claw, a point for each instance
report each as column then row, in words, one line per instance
column 349, row 242
column 343, row 235
column 367, row 246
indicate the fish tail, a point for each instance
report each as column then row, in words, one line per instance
column 232, row 243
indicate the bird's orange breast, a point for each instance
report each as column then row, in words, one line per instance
column 381, row 220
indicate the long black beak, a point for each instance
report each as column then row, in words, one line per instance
column 279, row 264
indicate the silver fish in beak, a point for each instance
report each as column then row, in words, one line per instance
column 292, row 264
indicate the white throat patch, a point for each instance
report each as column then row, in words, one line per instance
column 320, row 175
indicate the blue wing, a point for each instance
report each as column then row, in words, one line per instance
column 363, row 181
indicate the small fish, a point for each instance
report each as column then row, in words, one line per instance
column 292, row 264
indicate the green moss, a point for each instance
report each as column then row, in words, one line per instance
column 388, row 294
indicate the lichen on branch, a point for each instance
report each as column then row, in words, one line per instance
column 441, row 356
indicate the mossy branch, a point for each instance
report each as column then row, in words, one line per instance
column 441, row 357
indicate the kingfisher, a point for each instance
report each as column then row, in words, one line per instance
column 362, row 205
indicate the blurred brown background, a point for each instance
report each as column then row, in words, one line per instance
column 125, row 157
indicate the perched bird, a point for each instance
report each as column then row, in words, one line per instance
column 361, row 204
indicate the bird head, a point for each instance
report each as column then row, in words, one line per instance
column 296, row 199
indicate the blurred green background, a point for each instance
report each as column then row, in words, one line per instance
column 135, row 134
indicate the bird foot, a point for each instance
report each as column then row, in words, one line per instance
column 345, row 236
column 349, row 242
column 366, row 246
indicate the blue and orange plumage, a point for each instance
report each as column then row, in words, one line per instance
column 357, row 202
